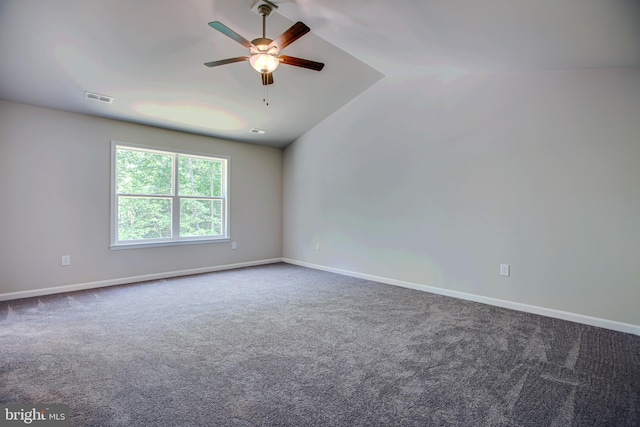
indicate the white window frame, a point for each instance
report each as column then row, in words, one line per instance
column 176, row 239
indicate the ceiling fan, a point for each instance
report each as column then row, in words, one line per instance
column 264, row 53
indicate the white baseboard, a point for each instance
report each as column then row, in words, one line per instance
column 132, row 279
column 543, row 311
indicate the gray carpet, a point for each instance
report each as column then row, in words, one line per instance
column 282, row 345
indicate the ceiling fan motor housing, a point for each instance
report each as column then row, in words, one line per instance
column 261, row 41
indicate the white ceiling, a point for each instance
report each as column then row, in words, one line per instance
column 149, row 54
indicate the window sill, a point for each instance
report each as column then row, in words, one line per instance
column 119, row 246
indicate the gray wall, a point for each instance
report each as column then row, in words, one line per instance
column 59, row 163
column 437, row 180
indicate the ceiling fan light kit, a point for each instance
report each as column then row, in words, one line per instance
column 264, row 53
column 264, row 59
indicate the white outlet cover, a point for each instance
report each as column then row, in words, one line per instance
column 504, row 269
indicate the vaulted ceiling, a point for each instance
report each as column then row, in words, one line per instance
column 149, row 54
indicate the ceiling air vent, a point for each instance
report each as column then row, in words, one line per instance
column 258, row 131
column 98, row 97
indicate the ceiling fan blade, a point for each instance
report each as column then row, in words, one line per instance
column 230, row 33
column 267, row 78
column 299, row 62
column 226, row 61
column 296, row 31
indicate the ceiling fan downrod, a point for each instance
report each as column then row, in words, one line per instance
column 264, row 10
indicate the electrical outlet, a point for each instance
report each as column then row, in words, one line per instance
column 505, row 270
column 317, row 246
column 234, row 246
column 66, row 259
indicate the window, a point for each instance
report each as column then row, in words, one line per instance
column 164, row 197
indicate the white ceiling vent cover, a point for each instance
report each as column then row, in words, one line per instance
column 98, row 97
column 258, row 131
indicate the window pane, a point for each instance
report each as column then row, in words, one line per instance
column 143, row 218
column 199, row 177
column 200, row 217
column 139, row 172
